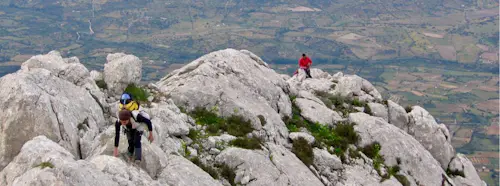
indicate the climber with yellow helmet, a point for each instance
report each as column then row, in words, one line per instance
column 132, row 118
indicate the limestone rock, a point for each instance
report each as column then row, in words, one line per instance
column 38, row 102
column 416, row 161
column 181, row 172
column 121, row 172
column 96, row 75
column 461, row 163
column 169, row 116
column 379, row 110
column 398, row 116
column 296, row 135
column 121, row 70
column 27, row 168
column 233, row 81
column 316, row 112
column 435, row 138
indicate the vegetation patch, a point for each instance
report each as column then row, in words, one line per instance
column 338, row 137
column 101, row 84
column 368, row 110
column 228, row 173
column 247, row 143
column 303, row 151
column 338, row 101
column 234, row 125
column 408, row 109
column 373, row 152
column 206, row 168
column 137, row 92
column 45, row 165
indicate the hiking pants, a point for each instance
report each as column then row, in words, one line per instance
column 134, row 143
column 308, row 72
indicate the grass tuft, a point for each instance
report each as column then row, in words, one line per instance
column 45, row 165
column 303, row 151
column 101, row 84
column 138, row 93
column 247, row 143
column 207, row 169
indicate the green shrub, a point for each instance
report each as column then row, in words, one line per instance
column 235, row 125
column 45, row 165
column 228, row 173
column 137, row 93
column 408, row 109
column 247, row 143
column 356, row 102
column 373, row 152
column 368, row 110
column 403, row 180
column 238, row 126
column 194, row 134
column 101, row 84
column 455, row 173
column 207, row 169
column 303, row 151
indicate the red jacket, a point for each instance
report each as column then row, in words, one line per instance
column 305, row 63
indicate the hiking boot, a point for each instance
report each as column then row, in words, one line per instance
column 137, row 162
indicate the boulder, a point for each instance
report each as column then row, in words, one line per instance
column 169, row 116
column 96, row 75
column 181, row 172
column 296, row 135
column 234, row 82
column 355, row 86
column 379, row 110
column 153, row 157
column 327, row 164
column 416, row 163
column 121, row 172
column 277, row 167
column 462, row 164
column 315, row 112
column 397, row 116
column 121, row 70
column 37, row 102
column 435, row 138
column 43, row 162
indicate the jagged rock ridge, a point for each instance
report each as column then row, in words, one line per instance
column 58, row 125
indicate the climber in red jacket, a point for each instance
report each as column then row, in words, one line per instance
column 305, row 63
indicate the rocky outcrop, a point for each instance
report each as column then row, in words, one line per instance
column 182, row 172
column 120, row 71
column 461, row 164
column 49, row 97
column 417, row 164
column 233, row 81
column 42, row 161
column 379, row 110
column 435, row 138
column 398, row 116
column 57, row 127
column 276, row 167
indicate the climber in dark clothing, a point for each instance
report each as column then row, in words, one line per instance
column 134, row 131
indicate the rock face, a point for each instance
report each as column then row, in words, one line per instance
column 462, row 164
column 232, row 80
column 277, row 167
column 435, row 138
column 57, row 128
column 398, row 116
column 120, row 71
column 49, row 97
column 184, row 173
column 28, row 168
column 417, row 164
